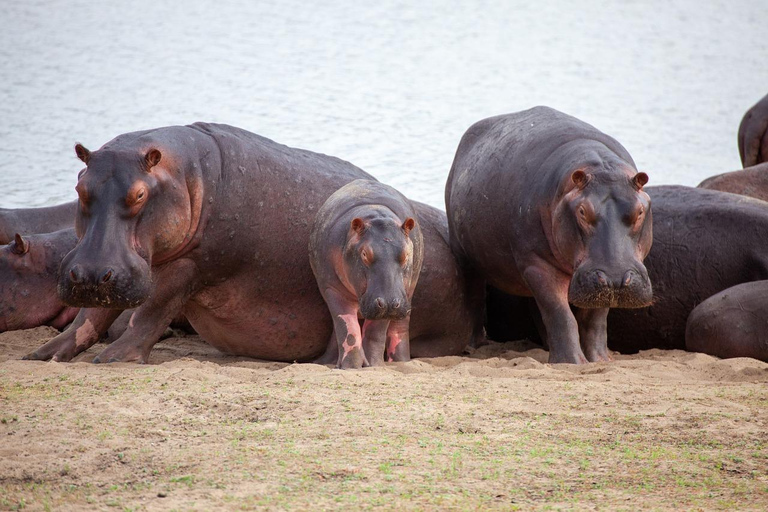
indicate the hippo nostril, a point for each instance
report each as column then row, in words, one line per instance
column 602, row 279
column 380, row 303
column 396, row 304
column 106, row 276
column 76, row 274
column 628, row 278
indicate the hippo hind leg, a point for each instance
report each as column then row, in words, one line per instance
column 331, row 354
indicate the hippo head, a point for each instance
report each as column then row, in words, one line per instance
column 28, row 270
column 132, row 213
column 603, row 228
column 379, row 263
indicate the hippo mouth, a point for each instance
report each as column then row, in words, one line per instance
column 594, row 290
column 90, row 296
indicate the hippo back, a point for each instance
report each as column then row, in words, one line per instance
column 752, row 182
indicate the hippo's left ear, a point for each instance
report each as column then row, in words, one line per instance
column 152, row 158
column 639, row 180
column 20, row 246
column 408, row 225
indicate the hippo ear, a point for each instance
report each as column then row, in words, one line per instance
column 580, row 178
column 408, row 225
column 20, row 246
column 639, row 180
column 82, row 153
column 152, row 158
column 357, row 225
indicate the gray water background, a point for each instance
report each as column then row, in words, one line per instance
column 388, row 85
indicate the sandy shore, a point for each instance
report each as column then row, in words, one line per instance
column 497, row 428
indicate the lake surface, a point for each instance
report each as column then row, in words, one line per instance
column 388, row 85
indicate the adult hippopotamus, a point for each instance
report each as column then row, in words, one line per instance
column 704, row 242
column 753, row 134
column 541, row 204
column 213, row 222
column 366, row 251
column 732, row 323
column 752, row 182
column 30, row 221
column 29, row 268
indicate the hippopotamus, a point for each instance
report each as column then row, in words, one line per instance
column 753, row 134
column 704, row 242
column 29, row 268
column 30, row 221
column 366, row 251
column 752, row 182
column 541, row 204
column 732, row 323
column 213, row 222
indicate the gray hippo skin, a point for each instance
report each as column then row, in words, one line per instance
column 753, row 134
column 206, row 220
column 704, row 242
column 31, row 221
column 752, row 182
column 366, row 251
column 541, row 204
column 732, row 323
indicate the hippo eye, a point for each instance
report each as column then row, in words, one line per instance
column 365, row 257
column 582, row 211
column 140, row 196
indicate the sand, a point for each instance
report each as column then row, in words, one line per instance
column 494, row 429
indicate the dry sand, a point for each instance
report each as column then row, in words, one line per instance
column 496, row 429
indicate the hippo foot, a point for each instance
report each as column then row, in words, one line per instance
column 599, row 355
column 54, row 350
column 353, row 360
column 118, row 354
column 567, row 357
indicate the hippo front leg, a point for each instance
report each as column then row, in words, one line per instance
column 174, row 286
column 86, row 329
column 593, row 333
column 347, row 328
column 374, row 340
column 398, row 340
column 550, row 290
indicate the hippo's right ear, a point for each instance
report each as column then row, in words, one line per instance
column 408, row 225
column 357, row 225
column 639, row 180
column 82, row 153
column 580, row 178
column 152, row 158
column 20, row 246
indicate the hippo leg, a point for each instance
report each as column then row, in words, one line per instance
column 86, row 329
column 347, row 328
column 150, row 320
column 551, row 293
column 399, row 341
column 331, row 354
column 593, row 333
column 476, row 296
column 374, row 340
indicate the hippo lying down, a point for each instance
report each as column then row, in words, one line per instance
column 213, row 222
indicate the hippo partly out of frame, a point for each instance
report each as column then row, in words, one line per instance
column 366, row 251
column 753, row 134
column 541, row 204
column 31, row 221
column 704, row 242
column 732, row 323
column 752, row 182
column 213, row 222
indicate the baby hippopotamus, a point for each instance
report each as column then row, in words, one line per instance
column 366, row 252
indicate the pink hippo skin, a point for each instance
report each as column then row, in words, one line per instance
column 541, row 204
column 366, row 251
column 752, row 182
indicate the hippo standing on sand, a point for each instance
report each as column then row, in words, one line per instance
column 541, row 204
column 213, row 222
column 30, row 221
column 753, row 134
column 366, row 251
column 752, row 182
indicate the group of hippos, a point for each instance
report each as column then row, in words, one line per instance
column 278, row 253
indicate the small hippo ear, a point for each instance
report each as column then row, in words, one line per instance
column 408, row 225
column 152, row 158
column 20, row 246
column 580, row 178
column 357, row 225
column 639, row 180
column 82, row 153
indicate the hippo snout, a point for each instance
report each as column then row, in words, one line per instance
column 599, row 288
column 382, row 308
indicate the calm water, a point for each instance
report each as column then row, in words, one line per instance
column 388, row 85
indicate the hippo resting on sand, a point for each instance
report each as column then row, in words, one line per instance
column 732, row 323
column 213, row 222
column 30, row 221
column 753, row 134
column 541, row 204
column 704, row 242
column 366, row 251
column 752, row 182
